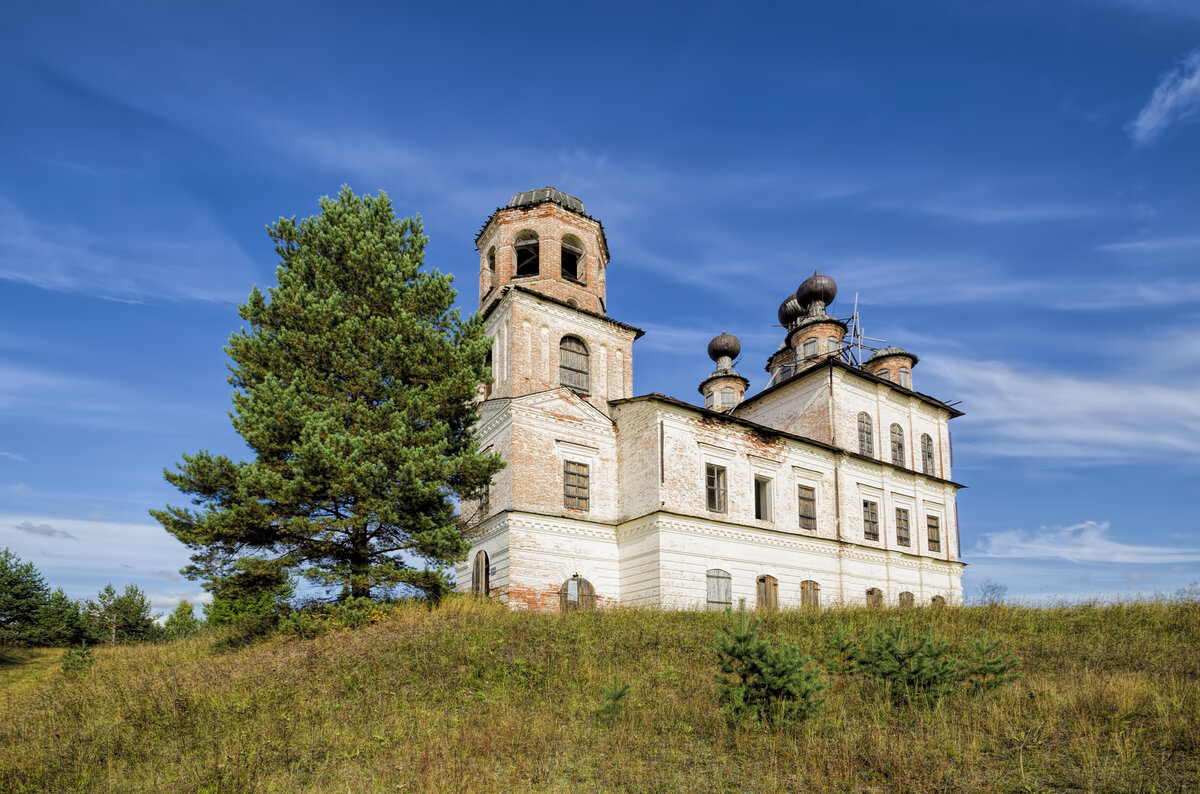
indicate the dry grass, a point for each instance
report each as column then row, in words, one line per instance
column 470, row 697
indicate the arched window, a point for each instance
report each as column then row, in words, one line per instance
column 709, row 397
column 906, row 599
column 810, row 347
column 576, row 594
column 491, row 259
column 832, row 345
column 526, row 247
column 874, row 597
column 810, row 593
column 573, row 364
column 905, row 378
column 897, row 445
column 866, row 435
column 572, row 258
column 481, row 578
column 883, row 373
column 767, row 592
column 720, row 589
column 727, row 397
column 938, row 601
column 927, row 454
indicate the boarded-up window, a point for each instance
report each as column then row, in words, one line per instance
column 481, row 579
column 762, row 499
column 576, row 594
column 810, row 347
column 906, row 599
column 897, row 445
column 767, row 592
column 526, row 248
column 832, row 345
column 938, row 601
column 927, row 454
column 575, row 485
column 874, row 597
column 810, row 593
column 714, row 487
column 720, row 589
column 902, row 538
column 870, row 520
column 708, row 398
column 866, row 435
column 808, row 506
column 572, row 258
column 726, row 398
column 573, row 364
column 905, row 378
column 933, row 525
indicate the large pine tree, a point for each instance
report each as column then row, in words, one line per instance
column 354, row 387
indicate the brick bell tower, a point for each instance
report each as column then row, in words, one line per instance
column 542, row 240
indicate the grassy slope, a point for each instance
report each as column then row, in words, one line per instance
column 471, row 697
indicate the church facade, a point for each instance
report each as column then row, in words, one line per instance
column 832, row 486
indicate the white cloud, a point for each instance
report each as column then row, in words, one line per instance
column 12, row 456
column 1087, row 542
column 1176, row 98
column 1153, row 245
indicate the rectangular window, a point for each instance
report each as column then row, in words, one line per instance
column 762, row 499
column 902, row 526
column 870, row 520
column 714, row 487
column 933, row 524
column 720, row 589
column 575, row 485
column 808, row 507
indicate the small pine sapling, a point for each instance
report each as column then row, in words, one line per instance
column 986, row 665
column 614, row 700
column 913, row 667
column 77, row 660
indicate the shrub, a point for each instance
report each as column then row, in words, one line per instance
column 763, row 678
column 77, row 660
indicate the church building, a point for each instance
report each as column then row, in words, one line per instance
column 830, row 486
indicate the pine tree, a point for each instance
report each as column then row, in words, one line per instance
column 913, row 666
column 123, row 616
column 354, row 387
column 23, row 593
column 59, row 621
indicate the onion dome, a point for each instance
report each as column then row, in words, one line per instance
column 888, row 352
column 789, row 310
column 724, row 345
column 816, row 287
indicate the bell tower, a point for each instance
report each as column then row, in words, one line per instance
column 545, row 242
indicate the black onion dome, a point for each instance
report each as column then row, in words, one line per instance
column 789, row 310
column 817, row 287
column 724, row 345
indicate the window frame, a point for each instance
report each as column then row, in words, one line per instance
column 906, row 378
column 903, row 527
column 810, row 347
column 576, row 485
column 576, row 362
column 897, row 438
column 870, row 511
column 866, row 434
column 764, row 498
column 806, row 522
column 716, row 488
column 723, row 581
column 766, row 592
column 933, row 532
column 580, row 253
column 524, row 240
column 810, row 593
column 927, row 458
column 481, row 576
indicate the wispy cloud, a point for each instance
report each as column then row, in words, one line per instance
column 43, row 530
column 11, row 456
column 1087, row 542
column 1042, row 415
column 1153, row 245
column 1175, row 99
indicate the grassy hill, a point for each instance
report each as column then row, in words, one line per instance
column 470, row 697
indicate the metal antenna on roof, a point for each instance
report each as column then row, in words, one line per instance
column 854, row 351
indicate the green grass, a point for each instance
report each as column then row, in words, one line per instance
column 470, row 697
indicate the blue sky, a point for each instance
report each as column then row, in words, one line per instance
column 1009, row 188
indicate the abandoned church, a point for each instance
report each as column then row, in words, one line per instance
column 830, row 486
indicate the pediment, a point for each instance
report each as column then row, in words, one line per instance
column 562, row 405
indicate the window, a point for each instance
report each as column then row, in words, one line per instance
column 576, row 594
column 902, row 527
column 526, row 247
column 933, row 525
column 883, row 373
column 897, row 445
column 808, row 506
column 832, row 345
column 720, row 589
column 573, row 364
column 927, row 454
column 480, row 574
column 708, row 398
column 866, row 436
column 906, row 599
column 762, row 499
column 572, row 258
column 810, row 348
column 870, row 520
column 727, row 398
column 905, row 378
column 938, row 601
column 491, row 259
column 575, row 485
column 874, row 597
column 714, row 487
column 767, row 592
column 810, row 593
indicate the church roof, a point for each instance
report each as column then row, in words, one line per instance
column 638, row 332
column 542, row 195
